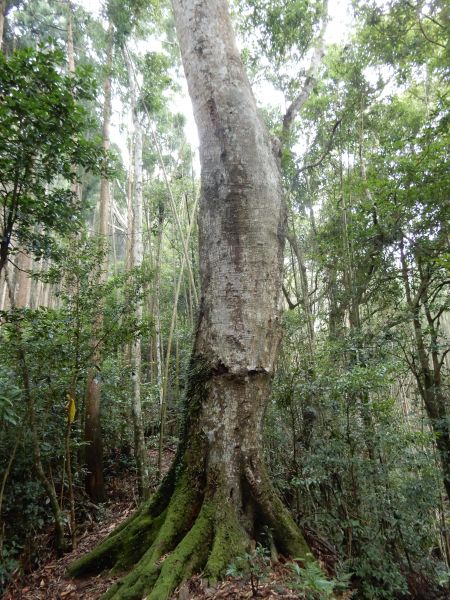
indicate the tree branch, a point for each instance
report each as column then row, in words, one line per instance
column 418, row 10
column 444, row 354
column 425, row 35
column 288, row 300
column 437, row 289
column 310, row 79
column 324, row 154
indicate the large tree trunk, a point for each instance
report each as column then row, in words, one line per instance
column 218, row 495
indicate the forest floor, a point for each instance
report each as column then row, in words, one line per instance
column 50, row 581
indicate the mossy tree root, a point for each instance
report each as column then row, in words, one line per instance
column 273, row 514
column 210, row 543
column 126, row 545
column 196, row 531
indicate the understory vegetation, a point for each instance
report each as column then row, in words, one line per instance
column 99, row 279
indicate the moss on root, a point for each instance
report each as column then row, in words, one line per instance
column 128, row 542
column 137, row 583
column 188, row 557
column 196, row 531
column 229, row 541
column 127, row 545
column 287, row 536
column 191, row 524
column 160, row 579
column 122, row 549
column 212, row 541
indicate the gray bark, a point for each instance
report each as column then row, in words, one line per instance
column 136, row 261
column 23, row 280
column 2, row 21
column 241, row 214
column 241, row 239
column 94, row 453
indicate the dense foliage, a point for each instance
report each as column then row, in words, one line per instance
column 45, row 131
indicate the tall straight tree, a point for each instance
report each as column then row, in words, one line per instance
column 218, row 496
column 94, row 453
column 136, row 260
column 2, row 21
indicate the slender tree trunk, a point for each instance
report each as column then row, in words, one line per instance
column 165, row 382
column 35, row 283
column 136, row 261
column 44, row 292
column 3, row 290
column 95, row 486
column 130, row 189
column 427, row 372
column 129, row 237
column 304, row 287
column 157, row 312
column 2, row 21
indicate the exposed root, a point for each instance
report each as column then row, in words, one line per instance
column 230, row 540
column 210, row 543
column 130, row 541
column 196, row 529
column 287, row 536
column 121, row 549
column 189, row 556
column 135, row 585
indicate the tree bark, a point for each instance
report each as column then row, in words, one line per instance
column 23, row 280
column 136, row 261
column 217, row 496
column 2, row 21
column 95, row 486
